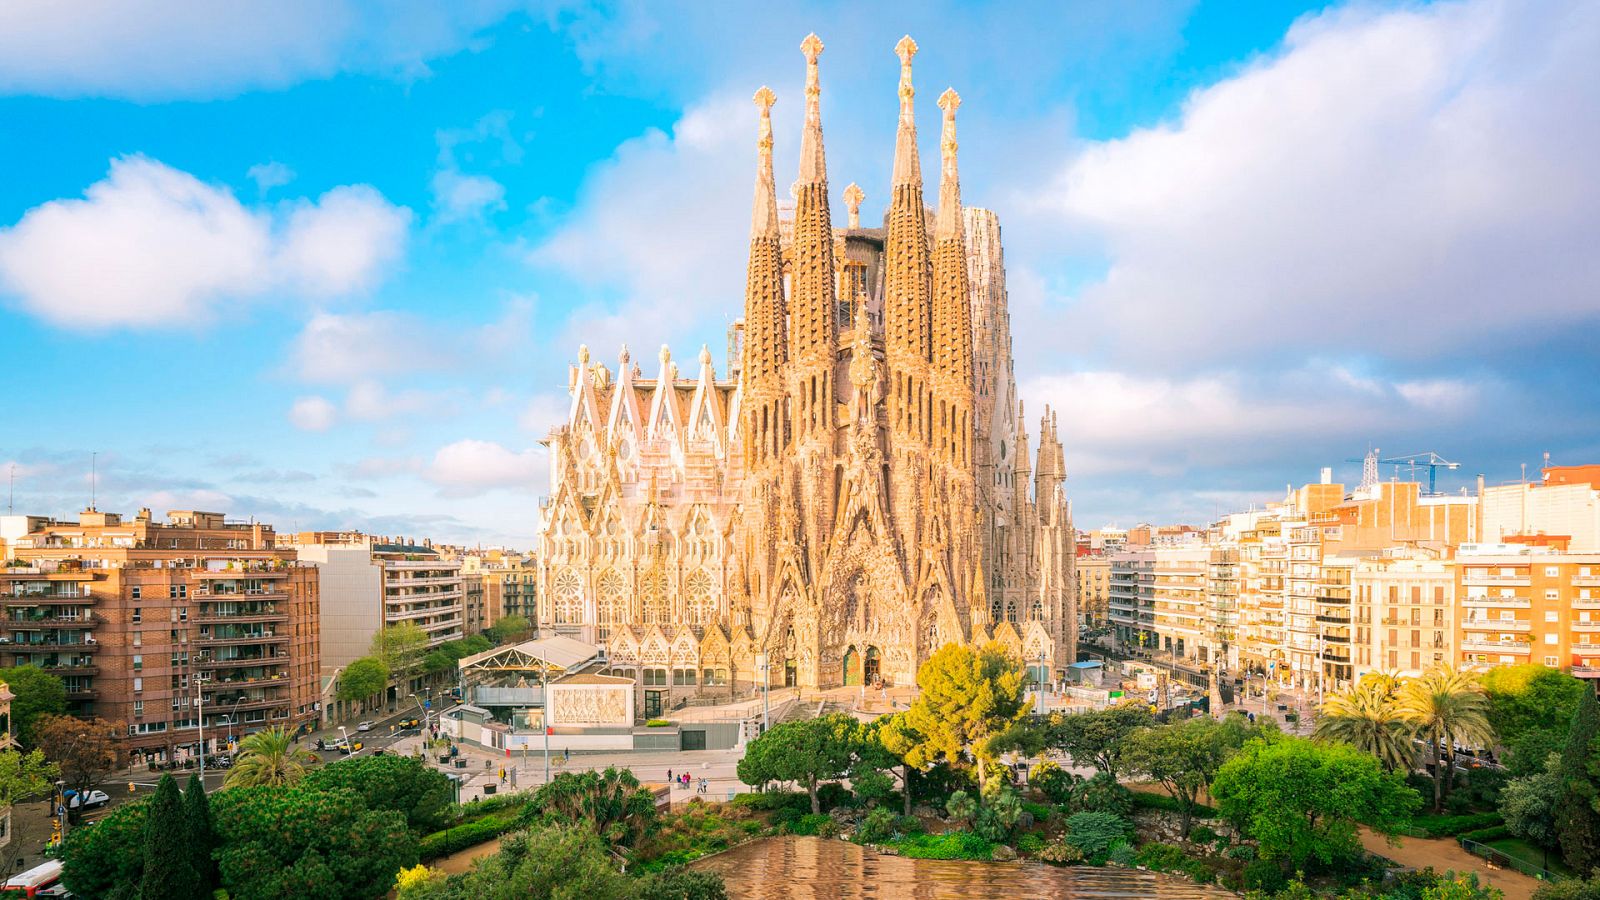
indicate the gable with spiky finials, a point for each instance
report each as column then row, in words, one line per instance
column 813, row 337
column 766, row 338
column 952, row 305
column 908, row 273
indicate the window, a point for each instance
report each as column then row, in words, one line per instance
column 138, row 662
column 715, row 676
column 1551, row 615
column 655, row 677
column 1552, row 638
column 1552, row 594
column 138, row 639
column 1552, row 571
column 138, row 710
column 134, row 593
column 172, row 592
column 683, row 677
column 1552, row 661
column 138, row 614
column 183, row 614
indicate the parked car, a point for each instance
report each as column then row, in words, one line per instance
column 349, row 748
column 90, row 800
column 339, row 744
column 364, row 726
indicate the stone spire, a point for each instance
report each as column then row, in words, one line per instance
column 952, row 304
column 813, row 335
column 908, row 273
column 766, row 341
column 853, row 195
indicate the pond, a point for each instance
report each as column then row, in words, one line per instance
column 785, row 868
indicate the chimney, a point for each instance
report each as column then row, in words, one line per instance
column 1327, row 474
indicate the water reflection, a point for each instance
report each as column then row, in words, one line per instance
column 805, row 868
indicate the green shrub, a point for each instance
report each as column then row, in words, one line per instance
column 1161, row 857
column 1146, row 800
column 1263, row 875
column 1030, row 844
column 1121, row 853
column 878, row 826
column 1445, row 826
column 951, row 845
column 1484, row 835
column 460, row 837
column 907, row 824
column 771, row 801
column 1040, row 812
column 810, row 824
column 1054, row 782
column 1202, row 834
column 1096, row 832
column 1101, row 793
column 833, row 795
column 961, row 807
column 1060, row 853
column 478, row 808
column 657, row 723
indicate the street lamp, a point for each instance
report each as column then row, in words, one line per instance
column 233, row 714
column 764, row 665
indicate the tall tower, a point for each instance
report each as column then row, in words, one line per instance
column 766, row 339
column 813, row 334
column 907, row 276
column 952, row 307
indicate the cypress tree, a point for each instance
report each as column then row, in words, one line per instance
column 1578, row 812
column 168, row 861
column 202, row 839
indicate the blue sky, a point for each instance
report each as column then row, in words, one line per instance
column 326, row 263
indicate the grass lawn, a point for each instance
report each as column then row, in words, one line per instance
column 1531, row 854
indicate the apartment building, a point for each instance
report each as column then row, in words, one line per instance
column 1093, row 576
column 1566, row 503
column 1520, row 603
column 1181, row 620
column 1404, row 611
column 165, row 627
column 1130, row 599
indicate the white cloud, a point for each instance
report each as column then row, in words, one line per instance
column 470, row 467
column 359, row 346
column 151, row 246
column 1408, row 180
column 370, row 401
column 458, row 197
column 313, row 413
column 164, row 49
column 269, row 175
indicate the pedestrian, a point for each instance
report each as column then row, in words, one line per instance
column 669, row 775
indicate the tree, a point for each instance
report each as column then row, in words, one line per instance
column 971, row 704
column 87, row 750
column 1577, row 814
column 168, row 863
column 1529, row 805
column 1530, row 708
column 561, row 862
column 107, row 861
column 400, row 783
column 202, row 834
column 38, row 693
column 809, row 752
column 1184, row 757
column 300, row 842
column 363, row 678
column 1447, row 707
column 269, row 757
column 1367, row 716
column 680, row 883
column 612, row 803
column 509, row 628
column 1301, row 800
column 401, row 647
column 1570, row 889
column 881, row 746
column 22, row 775
column 444, row 657
column 1095, row 738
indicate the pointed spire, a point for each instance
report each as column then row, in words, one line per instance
column 907, row 166
column 813, row 167
column 853, row 195
column 949, row 180
column 764, row 217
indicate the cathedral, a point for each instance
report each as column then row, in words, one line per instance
column 854, row 491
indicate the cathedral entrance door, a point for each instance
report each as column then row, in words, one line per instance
column 870, row 671
column 652, row 704
column 791, row 674
column 852, row 667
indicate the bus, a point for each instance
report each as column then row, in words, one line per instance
column 43, row 880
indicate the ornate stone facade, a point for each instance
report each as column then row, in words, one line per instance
column 855, row 492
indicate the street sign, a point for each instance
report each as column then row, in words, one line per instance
column 1115, row 695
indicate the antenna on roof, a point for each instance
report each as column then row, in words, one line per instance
column 11, row 497
column 94, row 478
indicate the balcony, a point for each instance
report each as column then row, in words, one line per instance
column 1333, row 619
column 1586, row 627
column 1517, row 647
column 83, row 620
column 1586, row 671
column 239, row 662
column 1497, row 602
column 235, row 684
column 1508, row 580
column 49, row 598
column 62, row 671
column 1586, row 603
column 1586, row 581
column 246, row 572
column 242, row 618
column 259, row 637
column 82, row 693
column 54, row 641
column 1494, row 625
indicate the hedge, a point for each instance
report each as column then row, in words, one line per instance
column 1146, row 800
column 1446, row 826
column 460, row 837
column 1485, row 835
column 951, row 845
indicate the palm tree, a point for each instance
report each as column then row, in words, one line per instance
column 269, row 757
column 1447, row 706
column 1367, row 716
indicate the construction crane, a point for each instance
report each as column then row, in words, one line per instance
column 1414, row 461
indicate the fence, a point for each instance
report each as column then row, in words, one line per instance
column 1501, row 858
